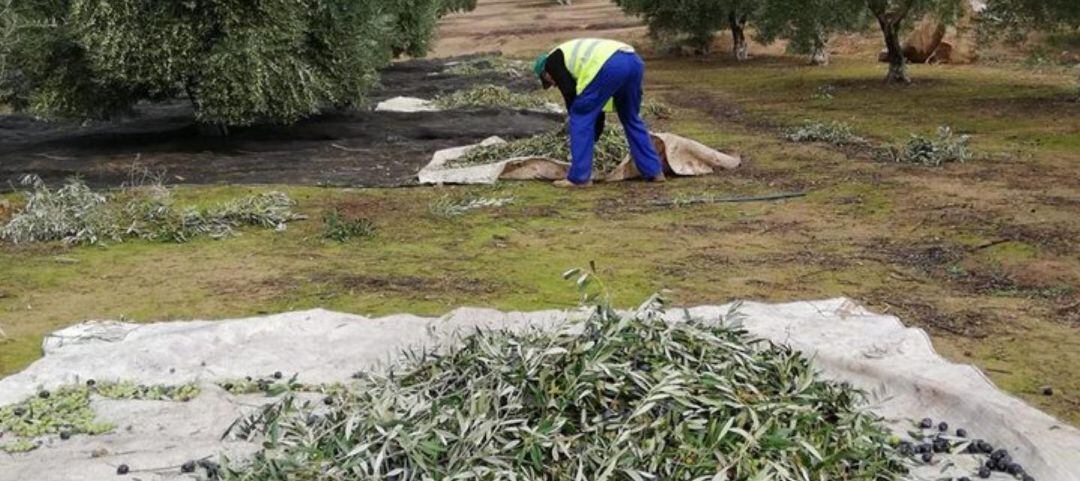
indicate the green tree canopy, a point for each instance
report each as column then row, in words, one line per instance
column 1042, row 14
column 239, row 62
column 692, row 21
column 808, row 24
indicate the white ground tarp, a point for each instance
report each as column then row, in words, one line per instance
column 897, row 364
column 406, row 104
column 680, row 156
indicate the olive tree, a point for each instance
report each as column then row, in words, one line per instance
column 808, row 24
column 692, row 21
column 893, row 15
column 417, row 21
column 739, row 14
column 7, row 36
column 696, row 21
column 238, row 62
column 1033, row 14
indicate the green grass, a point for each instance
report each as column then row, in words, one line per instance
column 858, row 233
column 1002, row 106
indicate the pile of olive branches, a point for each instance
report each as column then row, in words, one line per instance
column 835, row 133
column 628, row 397
column 490, row 96
column 947, row 147
column 490, row 64
column 76, row 214
column 610, row 151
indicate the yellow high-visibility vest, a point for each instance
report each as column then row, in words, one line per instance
column 586, row 56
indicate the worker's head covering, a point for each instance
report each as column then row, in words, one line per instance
column 538, row 67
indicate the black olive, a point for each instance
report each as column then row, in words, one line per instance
column 996, row 455
column 926, row 448
column 329, row 401
column 188, row 467
column 964, row 478
column 18, row 412
column 961, row 433
column 65, row 435
column 122, row 469
column 904, row 447
column 212, row 469
column 984, row 472
column 987, row 448
column 91, row 382
column 277, row 375
column 1027, row 477
column 943, row 426
column 941, row 446
column 43, row 394
column 927, row 457
column 926, row 423
column 1014, row 469
column 227, row 386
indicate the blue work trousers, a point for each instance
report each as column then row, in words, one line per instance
column 620, row 79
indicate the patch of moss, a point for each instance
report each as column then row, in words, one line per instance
column 1012, row 252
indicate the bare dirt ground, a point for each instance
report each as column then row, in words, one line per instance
column 347, row 148
column 525, row 28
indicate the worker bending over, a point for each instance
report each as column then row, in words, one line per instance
column 594, row 75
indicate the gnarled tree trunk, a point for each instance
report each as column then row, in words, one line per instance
column 890, row 17
column 738, row 36
column 890, row 28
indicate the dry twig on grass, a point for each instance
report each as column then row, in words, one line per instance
column 712, row 199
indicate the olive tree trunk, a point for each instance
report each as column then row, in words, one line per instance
column 895, row 53
column 819, row 54
column 890, row 17
column 738, row 36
